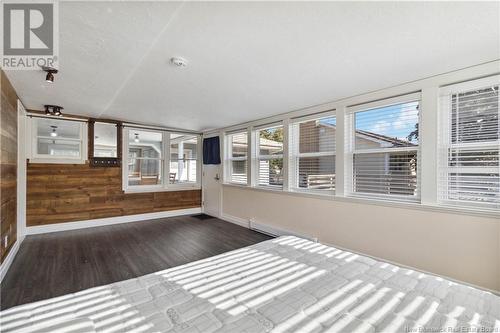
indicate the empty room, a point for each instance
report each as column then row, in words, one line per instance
column 250, row 166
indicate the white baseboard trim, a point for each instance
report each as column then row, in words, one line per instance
column 4, row 267
column 213, row 214
column 236, row 220
column 276, row 231
column 56, row 227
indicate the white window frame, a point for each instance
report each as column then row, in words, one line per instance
column 33, row 155
column 351, row 151
column 229, row 158
column 295, row 155
column 429, row 89
column 445, row 144
column 259, row 157
column 165, row 167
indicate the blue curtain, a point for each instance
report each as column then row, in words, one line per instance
column 211, row 150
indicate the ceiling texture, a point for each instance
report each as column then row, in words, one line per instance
column 249, row 60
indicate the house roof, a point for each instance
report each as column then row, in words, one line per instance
column 271, row 144
column 395, row 141
column 377, row 137
column 264, row 143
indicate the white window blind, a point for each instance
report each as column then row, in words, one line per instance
column 237, row 149
column 469, row 145
column 384, row 149
column 312, row 154
column 269, row 157
column 183, row 158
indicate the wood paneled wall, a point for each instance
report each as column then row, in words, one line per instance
column 8, row 167
column 73, row 192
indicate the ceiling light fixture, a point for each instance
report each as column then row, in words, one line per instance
column 50, row 73
column 136, row 138
column 178, row 62
column 53, row 110
column 53, row 133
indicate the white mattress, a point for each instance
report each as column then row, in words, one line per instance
column 286, row 284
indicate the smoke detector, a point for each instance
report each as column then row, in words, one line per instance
column 178, row 62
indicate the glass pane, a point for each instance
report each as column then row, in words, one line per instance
column 105, row 140
column 271, row 172
column 145, row 144
column 239, row 145
column 317, row 135
column 474, row 116
column 144, row 171
column 317, row 173
column 271, row 141
column 58, row 128
column 182, row 171
column 183, row 146
column 386, row 127
column 57, row 147
column 183, row 158
column 239, row 172
column 386, row 173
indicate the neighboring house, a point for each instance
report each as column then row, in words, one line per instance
column 386, row 168
column 267, row 147
column 319, row 172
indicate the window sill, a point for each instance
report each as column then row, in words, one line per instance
column 377, row 202
column 324, row 196
column 162, row 189
column 57, row 161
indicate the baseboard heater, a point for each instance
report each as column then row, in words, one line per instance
column 274, row 231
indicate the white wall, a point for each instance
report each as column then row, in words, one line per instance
column 452, row 242
column 462, row 247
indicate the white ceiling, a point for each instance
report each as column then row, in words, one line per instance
column 249, row 60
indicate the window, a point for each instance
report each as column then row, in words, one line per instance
column 183, row 158
column 384, row 149
column 237, row 157
column 312, row 154
column 104, row 143
column 145, row 157
column 105, row 140
column 160, row 160
column 470, row 145
column 58, row 141
column 270, row 156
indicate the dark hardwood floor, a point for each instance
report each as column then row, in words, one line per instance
column 55, row 264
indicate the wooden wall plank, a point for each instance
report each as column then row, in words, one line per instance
column 60, row 193
column 8, row 166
